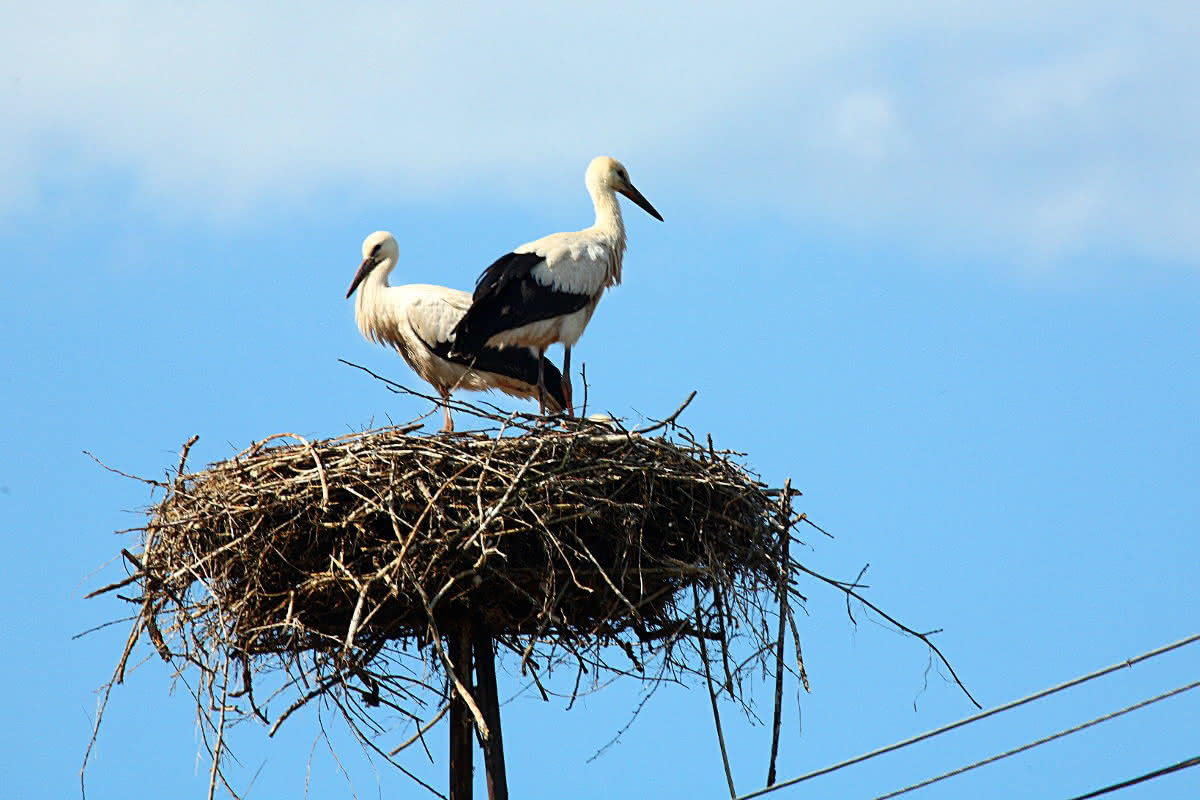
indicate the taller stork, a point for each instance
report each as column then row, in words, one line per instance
column 545, row 291
column 417, row 319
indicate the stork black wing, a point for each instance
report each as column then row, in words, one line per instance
column 507, row 296
column 503, row 271
column 512, row 362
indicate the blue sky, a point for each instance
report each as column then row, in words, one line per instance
column 940, row 266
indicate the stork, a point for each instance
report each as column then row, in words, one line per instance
column 545, row 291
column 417, row 320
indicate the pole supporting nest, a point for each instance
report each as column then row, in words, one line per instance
column 461, row 767
column 471, row 647
column 489, row 699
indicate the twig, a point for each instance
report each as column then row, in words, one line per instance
column 355, row 619
column 421, row 730
column 216, row 753
column 157, row 484
column 669, row 420
column 712, row 696
column 923, row 637
column 857, row 584
column 785, row 506
column 183, row 455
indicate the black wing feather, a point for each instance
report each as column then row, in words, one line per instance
column 511, row 362
column 507, row 296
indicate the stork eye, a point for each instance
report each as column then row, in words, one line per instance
column 376, row 248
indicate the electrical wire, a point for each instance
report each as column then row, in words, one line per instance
column 1039, row 742
column 1158, row 773
column 1158, row 651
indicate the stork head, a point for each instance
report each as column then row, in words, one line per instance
column 608, row 174
column 379, row 251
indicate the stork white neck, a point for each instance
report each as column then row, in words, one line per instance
column 609, row 224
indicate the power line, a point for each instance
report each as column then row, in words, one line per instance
column 974, row 717
column 1158, row 773
column 1039, row 742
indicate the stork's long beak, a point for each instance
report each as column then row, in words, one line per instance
column 369, row 263
column 633, row 194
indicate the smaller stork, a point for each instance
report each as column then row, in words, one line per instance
column 545, row 291
column 417, row 320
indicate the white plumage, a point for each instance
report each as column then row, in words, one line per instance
column 417, row 319
column 545, row 291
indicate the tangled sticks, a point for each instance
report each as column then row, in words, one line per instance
column 345, row 570
column 334, row 569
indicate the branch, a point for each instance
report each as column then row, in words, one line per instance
column 669, row 420
column 923, row 637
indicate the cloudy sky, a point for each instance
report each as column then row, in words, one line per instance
column 939, row 262
column 1051, row 131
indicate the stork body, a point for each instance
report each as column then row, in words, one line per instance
column 546, row 291
column 417, row 319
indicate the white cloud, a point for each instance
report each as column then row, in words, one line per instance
column 1069, row 83
column 949, row 122
column 1070, row 217
column 866, row 125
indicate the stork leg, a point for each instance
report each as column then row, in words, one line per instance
column 447, row 422
column 541, row 381
column 566, row 380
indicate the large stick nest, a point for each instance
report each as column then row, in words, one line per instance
column 377, row 535
column 333, row 569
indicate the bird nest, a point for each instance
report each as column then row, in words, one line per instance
column 335, row 569
column 382, row 536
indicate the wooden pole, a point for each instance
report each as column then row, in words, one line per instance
column 489, row 700
column 461, row 767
